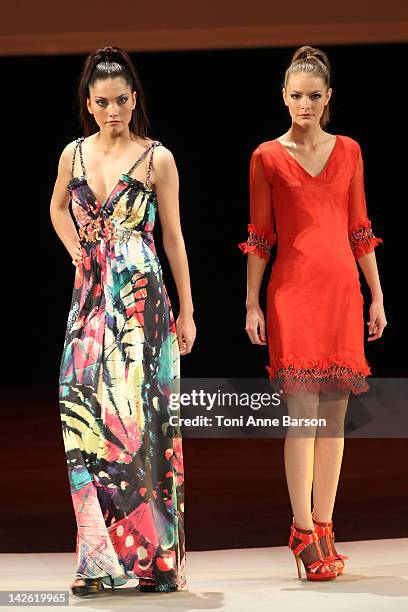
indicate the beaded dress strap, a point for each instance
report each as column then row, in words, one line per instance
column 143, row 155
column 80, row 154
column 77, row 141
column 149, row 169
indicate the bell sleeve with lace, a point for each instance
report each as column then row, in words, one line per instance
column 261, row 236
column 361, row 237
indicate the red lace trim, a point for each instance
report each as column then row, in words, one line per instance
column 362, row 239
column 320, row 375
column 258, row 243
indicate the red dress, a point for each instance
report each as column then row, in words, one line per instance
column 314, row 314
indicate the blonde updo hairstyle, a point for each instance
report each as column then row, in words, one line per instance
column 313, row 61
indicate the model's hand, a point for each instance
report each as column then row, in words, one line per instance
column 255, row 320
column 377, row 320
column 76, row 254
column 186, row 333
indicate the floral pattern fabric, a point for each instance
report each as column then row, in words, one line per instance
column 120, row 356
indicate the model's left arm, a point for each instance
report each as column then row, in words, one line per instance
column 363, row 242
column 166, row 181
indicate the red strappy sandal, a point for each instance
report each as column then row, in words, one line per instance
column 299, row 541
column 325, row 534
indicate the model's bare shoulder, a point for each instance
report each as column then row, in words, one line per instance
column 163, row 161
column 60, row 197
column 162, row 154
column 64, row 172
column 164, row 169
column 66, row 156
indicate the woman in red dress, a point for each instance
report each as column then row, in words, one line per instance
column 307, row 197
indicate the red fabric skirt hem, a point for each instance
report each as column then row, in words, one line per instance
column 291, row 375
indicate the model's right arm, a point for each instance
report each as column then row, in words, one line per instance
column 260, row 240
column 60, row 216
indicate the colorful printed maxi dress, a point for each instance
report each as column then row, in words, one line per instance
column 125, row 464
column 314, row 318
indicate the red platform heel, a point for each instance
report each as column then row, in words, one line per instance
column 305, row 541
column 325, row 534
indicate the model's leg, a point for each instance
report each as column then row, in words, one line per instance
column 299, row 456
column 299, row 459
column 328, row 452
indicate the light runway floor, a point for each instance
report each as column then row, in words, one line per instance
column 247, row 580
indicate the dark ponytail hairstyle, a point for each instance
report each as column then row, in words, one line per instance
column 105, row 63
column 314, row 61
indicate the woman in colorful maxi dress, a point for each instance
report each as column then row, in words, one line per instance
column 312, row 206
column 122, row 348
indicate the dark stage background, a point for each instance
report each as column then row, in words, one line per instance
column 211, row 109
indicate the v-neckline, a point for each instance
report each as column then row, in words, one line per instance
column 328, row 160
column 113, row 190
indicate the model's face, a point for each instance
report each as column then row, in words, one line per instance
column 306, row 96
column 111, row 103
